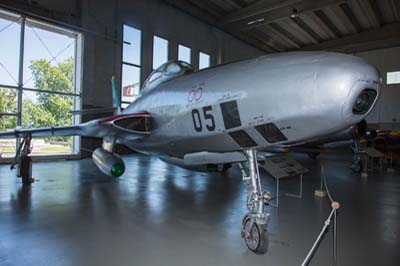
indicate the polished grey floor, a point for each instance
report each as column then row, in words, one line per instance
column 157, row 214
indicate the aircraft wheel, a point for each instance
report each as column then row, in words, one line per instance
column 257, row 239
column 313, row 155
column 357, row 166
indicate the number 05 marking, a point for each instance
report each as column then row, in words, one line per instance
column 208, row 119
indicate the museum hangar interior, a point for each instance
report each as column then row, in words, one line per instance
column 199, row 132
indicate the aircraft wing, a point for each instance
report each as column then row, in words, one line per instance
column 134, row 125
column 41, row 132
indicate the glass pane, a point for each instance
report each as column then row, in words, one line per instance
column 130, row 82
column 52, row 146
column 8, row 101
column 7, row 146
column 156, row 75
column 160, row 51
column 10, row 31
column 48, row 58
column 132, row 45
column 172, row 68
column 8, row 104
column 184, row 54
column 44, row 110
column 393, row 77
column 204, row 60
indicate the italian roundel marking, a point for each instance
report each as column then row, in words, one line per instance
column 198, row 93
column 191, row 95
column 195, row 94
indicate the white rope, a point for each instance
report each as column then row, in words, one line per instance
column 326, row 185
column 335, row 206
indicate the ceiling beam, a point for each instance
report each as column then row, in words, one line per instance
column 350, row 15
column 341, row 20
column 395, row 4
column 261, row 40
column 194, row 11
column 209, row 7
column 377, row 11
column 280, row 35
column 317, row 26
column 257, row 8
column 327, row 22
column 291, row 26
column 371, row 14
column 239, row 3
column 386, row 36
column 277, row 13
column 299, row 21
column 189, row 8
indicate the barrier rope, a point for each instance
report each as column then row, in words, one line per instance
column 335, row 206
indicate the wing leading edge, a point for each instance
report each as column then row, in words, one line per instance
column 139, row 124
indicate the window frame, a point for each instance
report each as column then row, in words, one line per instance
column 209, row 60
column 168, row 44
column 190, row 53
column 396, row 74
column 38, row 23
column 126, row 103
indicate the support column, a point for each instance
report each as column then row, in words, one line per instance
column 21, row 71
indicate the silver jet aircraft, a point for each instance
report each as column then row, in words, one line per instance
column 215, row 117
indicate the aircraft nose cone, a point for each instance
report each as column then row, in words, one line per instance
column 364, row 91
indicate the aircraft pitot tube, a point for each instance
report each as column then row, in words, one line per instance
column 110, row 164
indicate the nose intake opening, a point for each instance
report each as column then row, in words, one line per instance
column 364, row 101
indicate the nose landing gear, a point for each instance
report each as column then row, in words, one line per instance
column 255, row 222
column 356, row 165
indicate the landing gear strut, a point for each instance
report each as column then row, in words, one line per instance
column 356, row 165
column 22, row 160
column 255, row 222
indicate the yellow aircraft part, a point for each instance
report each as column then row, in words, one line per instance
column 394, row 133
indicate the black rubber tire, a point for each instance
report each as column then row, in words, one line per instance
column 313, row 155
column 262, row 237
column 357, row 167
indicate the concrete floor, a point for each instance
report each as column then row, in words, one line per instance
column 157, row 214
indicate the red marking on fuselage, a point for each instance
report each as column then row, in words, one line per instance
column 117, row 117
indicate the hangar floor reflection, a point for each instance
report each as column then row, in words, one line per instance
column 158, row 214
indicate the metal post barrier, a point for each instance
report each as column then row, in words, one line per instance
column 276, row 198
column 300, row 195
column 321, row 192
column 335, row 206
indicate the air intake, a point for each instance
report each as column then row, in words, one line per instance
column 364, row 101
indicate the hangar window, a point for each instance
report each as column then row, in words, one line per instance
column 184, row 54
column 39, row 81
column 160, row 51
column 393, row 77
column 204, row 60
column 131, row 64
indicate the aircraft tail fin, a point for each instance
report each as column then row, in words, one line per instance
column 116, row 98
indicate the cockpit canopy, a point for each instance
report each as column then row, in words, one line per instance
column 167, row 71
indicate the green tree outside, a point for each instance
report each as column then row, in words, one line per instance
column 48, row 109
column 8, row 105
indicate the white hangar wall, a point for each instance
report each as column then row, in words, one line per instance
column 101, row 24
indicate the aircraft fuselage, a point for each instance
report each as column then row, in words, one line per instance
column 280, row 99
